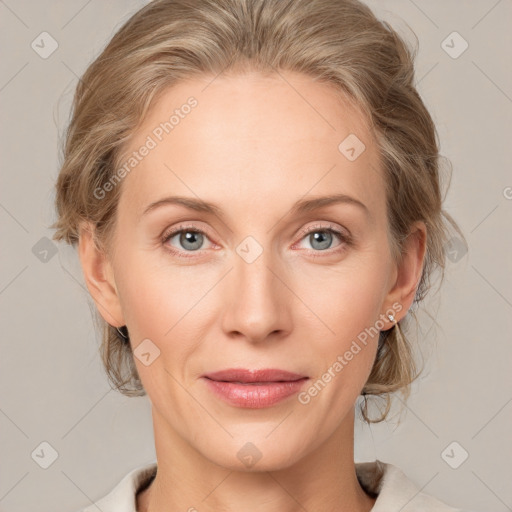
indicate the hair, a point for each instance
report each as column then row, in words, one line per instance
column 337, row 42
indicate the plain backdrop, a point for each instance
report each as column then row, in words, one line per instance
column 454, row 439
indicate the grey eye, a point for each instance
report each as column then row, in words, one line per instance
column 190, row 240
column 322, row 239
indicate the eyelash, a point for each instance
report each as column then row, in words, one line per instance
column 344, row 238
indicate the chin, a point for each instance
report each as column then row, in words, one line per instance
column 257, row 453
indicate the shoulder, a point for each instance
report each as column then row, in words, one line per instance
column 395, row 491
column 122, row 498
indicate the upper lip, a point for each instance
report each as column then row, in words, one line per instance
column 244, row 375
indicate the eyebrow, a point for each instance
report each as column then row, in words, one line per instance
column 301, row 206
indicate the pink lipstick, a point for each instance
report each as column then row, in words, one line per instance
column 254, row 389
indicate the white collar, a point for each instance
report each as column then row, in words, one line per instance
column 394, row 490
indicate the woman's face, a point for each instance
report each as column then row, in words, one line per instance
column 266, row 280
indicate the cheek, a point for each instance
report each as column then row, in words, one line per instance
column 155, row 296
column 346, row 304
column 165, row 304
column 145, row 304
column 347, row 299
column 158, row 305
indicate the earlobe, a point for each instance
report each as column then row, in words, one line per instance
column 99, row 277
column 410, row 268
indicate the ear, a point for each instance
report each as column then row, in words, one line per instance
column 99, row 277
column 409, row 268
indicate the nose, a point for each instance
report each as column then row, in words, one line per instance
column 257, row 302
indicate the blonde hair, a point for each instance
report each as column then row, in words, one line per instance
column 338, row 42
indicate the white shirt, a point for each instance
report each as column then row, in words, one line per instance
column 395, row 492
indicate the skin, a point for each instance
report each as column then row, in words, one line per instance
column 254, row 145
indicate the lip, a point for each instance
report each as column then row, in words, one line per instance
column 254, row 389
column 248, row 376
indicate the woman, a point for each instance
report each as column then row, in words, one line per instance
column 253, row 188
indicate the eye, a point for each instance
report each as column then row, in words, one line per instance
column 189, row 239
column 321, row 238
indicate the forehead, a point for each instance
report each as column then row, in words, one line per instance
column 256, row 134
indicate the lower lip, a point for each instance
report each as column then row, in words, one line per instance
column 255, row 396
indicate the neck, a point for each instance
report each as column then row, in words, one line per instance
column 324, row 479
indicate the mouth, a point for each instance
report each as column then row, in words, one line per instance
column 254, row 389
column 244, row 376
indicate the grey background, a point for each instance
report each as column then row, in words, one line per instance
column 52, row 384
